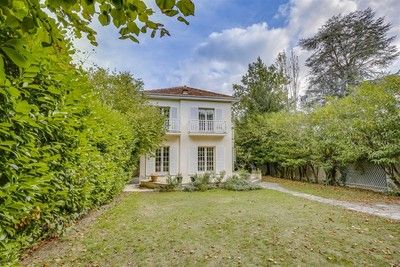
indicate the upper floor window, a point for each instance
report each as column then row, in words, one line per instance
column 165, row 111
column 206, row 119
column 206, row 114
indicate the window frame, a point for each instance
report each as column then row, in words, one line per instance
column 206, row 161
column 162, row 159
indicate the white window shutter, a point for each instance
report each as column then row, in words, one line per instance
column 173, row 119
column 173, row 159
column 220, row 124
column 194, row 113
column 193, row 160
column 219, row 114
column 150, row 165
column 173, row 113
column 220, row 159
column 194, row 116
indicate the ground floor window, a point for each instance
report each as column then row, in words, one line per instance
column 206, row 158
column 162, row 159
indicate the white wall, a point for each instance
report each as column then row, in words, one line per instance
column 185, row 141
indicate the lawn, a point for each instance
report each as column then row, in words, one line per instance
column 335, row 192
column 222, row 228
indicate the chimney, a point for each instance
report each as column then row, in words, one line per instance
column 185, row 90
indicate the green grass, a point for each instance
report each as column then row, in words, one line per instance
column 335, row 192
column 227, row 228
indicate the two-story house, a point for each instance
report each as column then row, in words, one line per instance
column 199, row 134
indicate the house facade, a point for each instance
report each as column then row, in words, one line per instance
column 199, row 134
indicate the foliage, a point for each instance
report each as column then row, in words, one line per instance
column 201, row 182
column 67, row 143
column 262, row 90
column 240, row 182
column 208, row 180
column 122, row 92
column 49, row 21
column 173, row 183
column 63, row 151
column 364, row 126
column 219, row 178
column 347, row 50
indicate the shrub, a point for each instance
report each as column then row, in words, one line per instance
column 63, row 151
column 200, row 182
column 173, row 183
column 240, row 183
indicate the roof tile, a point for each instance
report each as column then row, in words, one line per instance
column 185, row 91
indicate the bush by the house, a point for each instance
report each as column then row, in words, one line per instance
column 209, row 180
column 240, row 182
column 173, row 183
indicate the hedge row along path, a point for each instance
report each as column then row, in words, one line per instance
column 389, row 211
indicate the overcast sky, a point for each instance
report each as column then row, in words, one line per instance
column 224, row 36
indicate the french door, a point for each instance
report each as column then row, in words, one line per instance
column 206, row 119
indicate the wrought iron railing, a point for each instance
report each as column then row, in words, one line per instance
column 207, row 126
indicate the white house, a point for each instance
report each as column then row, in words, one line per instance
column 199, row 134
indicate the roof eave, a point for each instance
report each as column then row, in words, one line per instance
column 191, row 97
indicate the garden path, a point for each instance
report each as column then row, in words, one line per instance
column 390, row 211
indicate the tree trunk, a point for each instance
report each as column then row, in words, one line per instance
column 392, row 178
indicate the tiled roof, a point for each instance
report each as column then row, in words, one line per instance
column 185, row 91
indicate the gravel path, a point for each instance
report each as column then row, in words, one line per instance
column 390, row 211
column 136, row 188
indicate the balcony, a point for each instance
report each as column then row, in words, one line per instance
column 172, row 126
column 207, row 127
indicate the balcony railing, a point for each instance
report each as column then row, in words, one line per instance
column 172, row 126
column 207, row 126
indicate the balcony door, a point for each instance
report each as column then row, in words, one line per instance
column 206, row 119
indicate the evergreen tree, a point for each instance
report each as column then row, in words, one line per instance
column 347, row 50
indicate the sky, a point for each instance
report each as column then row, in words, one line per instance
column 223, row 38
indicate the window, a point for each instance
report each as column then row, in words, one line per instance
column 206, row 159
column 165, row 111
column 206, row 119
column 162, row 159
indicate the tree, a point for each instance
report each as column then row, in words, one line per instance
column 122, row 92
column 262, row 90
column 347, row 50
column 55, row 18
column 289, row 67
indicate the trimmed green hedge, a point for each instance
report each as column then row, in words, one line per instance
column 63, row 151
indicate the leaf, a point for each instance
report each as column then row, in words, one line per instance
column 15, row 56
column 132, row 26
column 23, row 107
column 165, row 4
column 14, row 92
column 104, row 19
column 186, row 7
column 2, row 71
column 182, row 19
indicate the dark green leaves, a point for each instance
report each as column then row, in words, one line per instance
column 104, row 19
